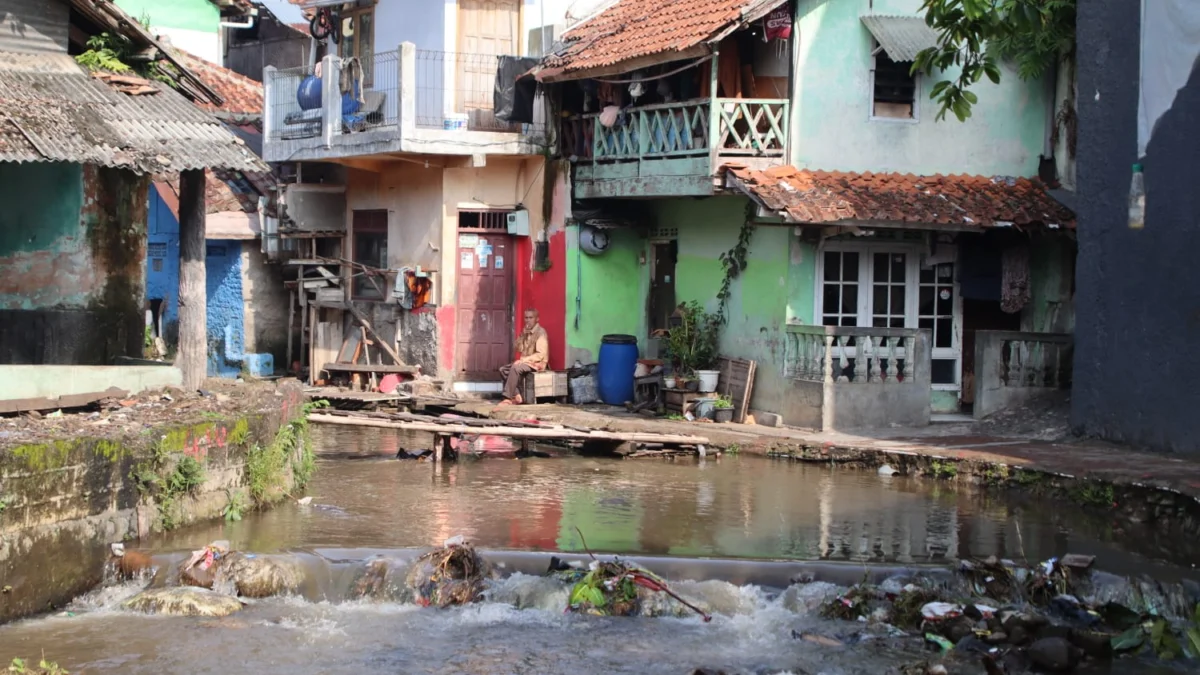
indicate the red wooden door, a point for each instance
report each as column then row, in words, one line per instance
column 484, row 330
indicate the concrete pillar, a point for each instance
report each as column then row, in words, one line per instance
column 193, row 347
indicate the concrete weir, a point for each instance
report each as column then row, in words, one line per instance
column 64, row 501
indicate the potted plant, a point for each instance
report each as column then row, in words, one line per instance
column 692, row 346
column 723, row 409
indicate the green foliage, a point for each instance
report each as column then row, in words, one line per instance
column 1168, row 641
column 733, row 449
column 187, row 476
column 693, row 344
column 723, row 402
column 235, row 506
column 1100, row 495
column 106, row 52
column 975, row 35
column 44, row 667
column 734, row 262
column 943, row 470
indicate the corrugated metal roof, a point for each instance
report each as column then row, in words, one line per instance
column 902, row 37
column 51, row 110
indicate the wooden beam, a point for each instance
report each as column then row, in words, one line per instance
column 362, row 319
column 193, row 343
column 512, row 431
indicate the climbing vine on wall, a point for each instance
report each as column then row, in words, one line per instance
column 734, row 262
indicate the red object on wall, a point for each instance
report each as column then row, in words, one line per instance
column 546, row 292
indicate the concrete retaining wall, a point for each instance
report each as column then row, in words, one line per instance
column 66, row 500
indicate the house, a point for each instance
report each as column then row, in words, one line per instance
column 247, row 304
column 1138, row 287
column 76, row 153
column 883, row 249
column 196, row 26
column 398, row 168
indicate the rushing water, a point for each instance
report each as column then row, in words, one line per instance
column 732, row 531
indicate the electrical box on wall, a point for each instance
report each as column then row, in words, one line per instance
column 518, row 223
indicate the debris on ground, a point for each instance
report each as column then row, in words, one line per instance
column 1007, row 617
column 618, row 588
column 126, row 565
column 452, row 575
column 183, row 601
column 247, row 575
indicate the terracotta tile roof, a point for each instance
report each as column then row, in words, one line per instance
column 243, row 96
column 219, row 196
column 631, row 29
column 952, row 201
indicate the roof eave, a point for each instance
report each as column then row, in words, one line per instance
column 553, row 75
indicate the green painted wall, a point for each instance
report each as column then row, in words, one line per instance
column 758, row 305
column 44, row 247
column 831, row 128
column 1051, row 307
column 199, row 15
column 605, row 294
column 41, row 205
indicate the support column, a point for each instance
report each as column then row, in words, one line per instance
column 193, row 306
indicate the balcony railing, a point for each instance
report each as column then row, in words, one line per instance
column 403, row 92
column 743, row 127
column 1013, row 367
column 851, row 354
column 845, row 377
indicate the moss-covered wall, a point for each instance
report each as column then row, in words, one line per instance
column 65, row 501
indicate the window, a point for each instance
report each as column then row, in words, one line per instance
column 894, row 88
column 358, row 40
column 885, row 285
column 369, row 249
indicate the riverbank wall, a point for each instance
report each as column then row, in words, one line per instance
column 65, row 497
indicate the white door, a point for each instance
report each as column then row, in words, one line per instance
column 888, row 285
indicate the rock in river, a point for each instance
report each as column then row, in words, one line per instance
column 260, row 576
column 183, row 601
column 1055, row 655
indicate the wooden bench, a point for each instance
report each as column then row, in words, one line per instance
column 544, row 384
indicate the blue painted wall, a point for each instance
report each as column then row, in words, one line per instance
column 162, row 261
column 226, row 309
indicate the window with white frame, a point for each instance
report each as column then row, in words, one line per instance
column 886, row 285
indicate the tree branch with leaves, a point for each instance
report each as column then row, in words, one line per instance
column 975, row 35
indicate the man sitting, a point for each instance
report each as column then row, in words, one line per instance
column 533, row 347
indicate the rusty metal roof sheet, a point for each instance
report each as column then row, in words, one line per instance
column 958, row 202
column 634, row 29
column 902, row 37
column 51, row 110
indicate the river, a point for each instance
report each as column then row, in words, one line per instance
column 730, row 530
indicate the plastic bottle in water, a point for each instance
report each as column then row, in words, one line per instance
column 1137, row 199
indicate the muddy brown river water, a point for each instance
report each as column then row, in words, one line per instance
column 731, row 531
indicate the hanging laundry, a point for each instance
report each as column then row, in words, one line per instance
column 1015, row 287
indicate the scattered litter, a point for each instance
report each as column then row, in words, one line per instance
column 304, row 501
column 887, row 470
column 451, row 575
column 56, row 414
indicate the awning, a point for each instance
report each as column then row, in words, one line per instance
column 902, row 37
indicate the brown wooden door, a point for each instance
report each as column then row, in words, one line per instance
column 486, row 29
column 484, row 330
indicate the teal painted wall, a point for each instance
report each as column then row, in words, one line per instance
column 199, row 15
column 831, row 129
column 45, row 254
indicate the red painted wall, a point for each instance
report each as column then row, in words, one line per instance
column 546, row 292
column 446, row 319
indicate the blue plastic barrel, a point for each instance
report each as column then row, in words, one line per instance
column 618, row 360
column 308, row 94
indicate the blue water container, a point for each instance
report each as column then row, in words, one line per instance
column 618, row 360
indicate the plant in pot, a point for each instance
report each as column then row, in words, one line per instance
column 723, row 409
column 692, row 343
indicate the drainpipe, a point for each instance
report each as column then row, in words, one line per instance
column 248, row 23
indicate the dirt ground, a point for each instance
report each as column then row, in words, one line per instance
column 113, row 418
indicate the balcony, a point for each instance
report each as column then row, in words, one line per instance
column 672, row 148
column 405, row 100
column 845, row 377
column 1014, row 369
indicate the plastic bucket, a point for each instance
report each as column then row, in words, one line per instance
column 708, row 380
column 704, row 408
column 614, row 373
